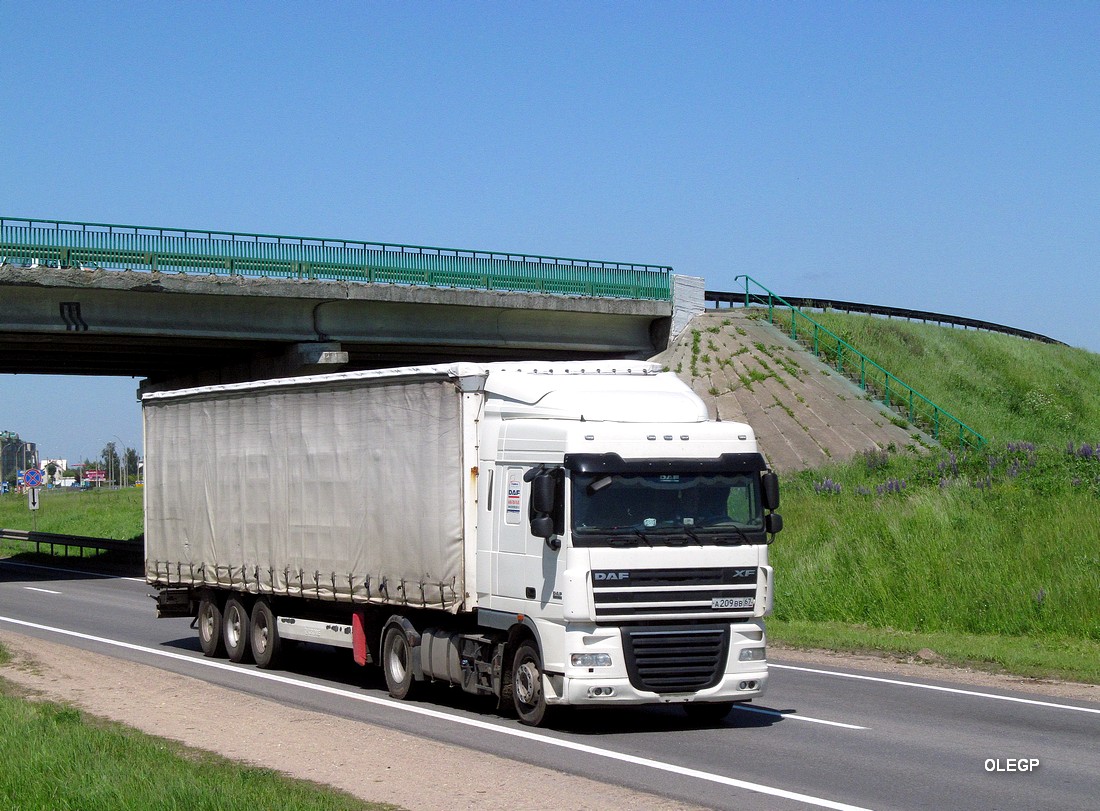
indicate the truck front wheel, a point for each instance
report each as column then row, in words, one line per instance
column 235, row 625
column 527, row 693
column 210, row 627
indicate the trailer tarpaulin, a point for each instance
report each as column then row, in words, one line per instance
column 349, row 489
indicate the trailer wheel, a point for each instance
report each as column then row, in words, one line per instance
column 210, row 627
column 235, row 624
column 527, row 693
column 266, row 644
column 397, row 663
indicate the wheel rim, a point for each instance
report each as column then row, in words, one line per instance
column 233, row 628
column 527, row 683
column 262, row 636
column 398, row 660
column 206, row 625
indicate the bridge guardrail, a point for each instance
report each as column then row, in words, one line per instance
column 176, row 250
column 895, row 394
column 807, row 303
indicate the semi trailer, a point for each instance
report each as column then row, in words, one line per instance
column 545, row 534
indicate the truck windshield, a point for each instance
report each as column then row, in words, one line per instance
column 617, row 508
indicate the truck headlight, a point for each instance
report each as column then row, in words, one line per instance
column 752, row 655
column 590, row 660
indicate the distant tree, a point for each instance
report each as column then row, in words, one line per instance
column 130, row 464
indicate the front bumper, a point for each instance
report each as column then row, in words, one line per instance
column 630, row 680
column 592, row 691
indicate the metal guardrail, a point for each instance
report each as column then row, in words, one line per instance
column 77, row 541
column 183, row 250
column 872, row 378
column 806, row 303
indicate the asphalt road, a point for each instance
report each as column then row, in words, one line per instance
column 822, row 737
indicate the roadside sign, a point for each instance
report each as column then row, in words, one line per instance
column 32, row 498
column 32, row 477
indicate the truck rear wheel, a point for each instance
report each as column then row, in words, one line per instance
column 235, row 625
column 266, row 644
column 210, row 627
column 397, row 663
column 528, row 697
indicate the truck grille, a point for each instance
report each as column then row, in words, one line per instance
column 638, row 593
column 676, row 659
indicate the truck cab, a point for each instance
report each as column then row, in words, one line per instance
column 626, row 535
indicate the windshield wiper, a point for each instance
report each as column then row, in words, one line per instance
column 732, row 525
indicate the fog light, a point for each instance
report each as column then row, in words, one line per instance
column 590, row 660
column 752, row 655
column 600, row 691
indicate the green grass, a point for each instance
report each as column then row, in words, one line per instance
column 990, row 558
column 97, row 513
column 1002, row 386
column 1038, row 657
column 999, row 544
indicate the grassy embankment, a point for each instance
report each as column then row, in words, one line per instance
column 988, row 558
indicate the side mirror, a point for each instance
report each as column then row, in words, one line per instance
column 542, row 526
column 770, row 485
column 773, row 523
column 543, row 489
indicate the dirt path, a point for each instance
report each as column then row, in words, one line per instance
column 369, row 761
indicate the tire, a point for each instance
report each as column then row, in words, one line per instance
column 267, row 646
column 528, row 698
column 708, row 712
column 209, row 621
column 235, row 626
column 397, row 663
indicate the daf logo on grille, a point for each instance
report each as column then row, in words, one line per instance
column 744, row 572
column 611, row 575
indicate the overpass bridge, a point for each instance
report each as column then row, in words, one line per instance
column 187, row 307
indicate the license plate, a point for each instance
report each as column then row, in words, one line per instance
column 732, row 602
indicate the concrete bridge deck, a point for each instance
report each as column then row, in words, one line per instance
column 191, row 329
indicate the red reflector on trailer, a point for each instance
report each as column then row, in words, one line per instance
column 359, row 638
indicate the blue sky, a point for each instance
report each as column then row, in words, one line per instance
column 939, row 156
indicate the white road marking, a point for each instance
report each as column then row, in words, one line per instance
column 789, row 716
column 547, row 740
column 937, row 688
column 44, row 591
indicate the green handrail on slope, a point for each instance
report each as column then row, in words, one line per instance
column 182, row 250
column 894, row 393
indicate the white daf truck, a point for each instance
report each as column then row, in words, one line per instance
column 551, row 534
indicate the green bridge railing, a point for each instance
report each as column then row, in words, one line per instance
column 175, row 250
column 896, row 395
